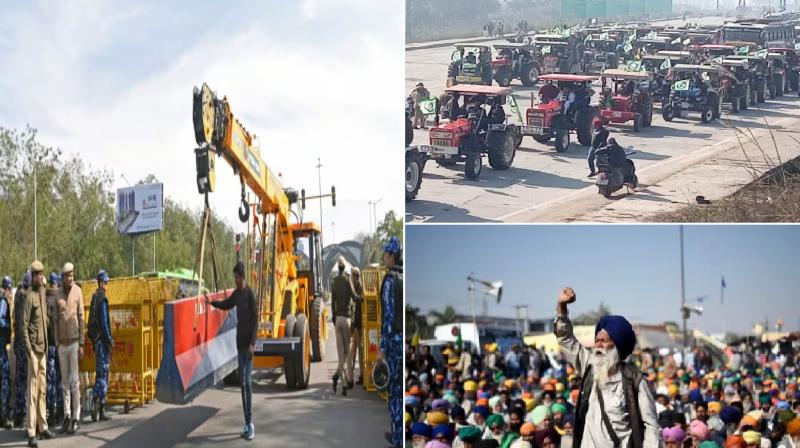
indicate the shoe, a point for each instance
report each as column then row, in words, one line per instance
column 245, row 430
column 32, row 442
column 388, row 437
column 103, row 416
column 7, row 424
column 251, row 432
column 592, row 175
column 46, row 434
column 74, row 427
column 335, row 381
column 65, row 426
column 344, row 390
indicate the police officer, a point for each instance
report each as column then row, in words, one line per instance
column 20, row 357
column 6, row 300
column 54, row 397
column 392, row 334
column 341, row 306
column 100, row 332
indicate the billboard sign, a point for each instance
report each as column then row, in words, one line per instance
column 140, row 209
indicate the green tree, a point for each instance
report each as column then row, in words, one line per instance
column 591, row 317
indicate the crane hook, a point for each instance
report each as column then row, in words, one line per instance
column 244, row 208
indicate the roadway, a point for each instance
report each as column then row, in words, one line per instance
column 312, row 417
column 675, row 162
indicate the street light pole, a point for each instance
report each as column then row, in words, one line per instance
column 375, row 213
column 319, row 180
column 35, row 217
column 369, row 209
column 684, row 311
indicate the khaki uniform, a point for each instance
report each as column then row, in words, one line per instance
column 34, row 334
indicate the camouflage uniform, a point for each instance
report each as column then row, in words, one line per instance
column 54, row 394
column 20, row 360
column 102, row 344
column 5, row 367
column 392, row 347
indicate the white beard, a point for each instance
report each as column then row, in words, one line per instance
column 604, row 363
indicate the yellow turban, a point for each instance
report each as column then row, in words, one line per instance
column 714, row 407
column 752, row 437
column 437, row 418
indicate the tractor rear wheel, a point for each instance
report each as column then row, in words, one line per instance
column 302, row 356
column 761, row 91
column 503, row 77
column 707, row 115
column 648, row 115
column 744, row 101
column 288, row 360
column 779, row 85
column 529, row 75
column 735, row 103
column 316, row 322
column 583, row 125
column 637, row 123
column 668, row 113
column 473, row 165
column 501, row 154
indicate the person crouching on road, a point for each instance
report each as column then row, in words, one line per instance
column 102, row 341
column 20, row 355
column 6, row 299
column 342, row 303
column 246, row 329
column 34, row 324
column 392, row 334
column 68, row 325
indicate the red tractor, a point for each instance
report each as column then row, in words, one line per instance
column 480, row 128
column 625, row 96
column 564, row 106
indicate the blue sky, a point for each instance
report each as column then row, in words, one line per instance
column 112, row 81
column 635, row 270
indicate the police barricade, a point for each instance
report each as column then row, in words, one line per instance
column 371, row 323
column 132, row 304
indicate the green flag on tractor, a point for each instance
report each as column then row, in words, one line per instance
column 762, row 53
column 633, row 66
column 428, row 107
column 681, row 85
column 667, row 64
column 743, row 50
column 512, row 104
column 676, row 41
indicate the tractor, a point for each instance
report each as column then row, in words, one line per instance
column 712, row 51
column 599, row 54
column 734, row 83
column 658, row 66
column 792, row 67
column 557, row 54
column 484, row 129
column 548, row 119
column 625, row 96
column 470, row 64
column 776, row 62
column 694, row 88
column 759, row 77
column 515, row 60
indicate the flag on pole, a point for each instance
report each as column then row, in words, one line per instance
column 762, row 54
column 627, row 47
column 633, row 66
column 428, row 107
column 681, row 85
column 511, row 102
column 742, row 50
column 667, row 64
column 676, row 41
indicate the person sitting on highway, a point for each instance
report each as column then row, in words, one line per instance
column 548, row 92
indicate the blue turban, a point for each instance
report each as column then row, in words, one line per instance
column 621, row 333
column 481, row 410
column 695, row 395
column 730, row 414
column 421, row 429
column 443, row 430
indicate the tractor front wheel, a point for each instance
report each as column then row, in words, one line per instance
column 473, row 165
column 562, row 140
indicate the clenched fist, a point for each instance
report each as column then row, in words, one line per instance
column 567, row 296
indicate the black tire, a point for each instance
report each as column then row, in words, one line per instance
column 604, row 190
column 544, row 139
column 779, row 85
column 315, row 325
column 735, row 102
column 716, row 106
column 761, row 91
column 562, row 140
column 302, row 364
column 409, row 131
column 744, row 101
column 503, row 77
column 668, row 113
column 794, row 81
column 517, row 139
column 707, row 115
column 413, row 182
column 288, row 361
column 583, row 125
column 501, row 155
column 529, row 75
column 635, row 181
column 637, row 123
column 648, row 115
column 473, row 165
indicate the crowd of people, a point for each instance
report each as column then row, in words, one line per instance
column 649, row 398
column 44, row 322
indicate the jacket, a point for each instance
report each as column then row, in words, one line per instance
column 19, row 310
column 342, row 295
column 246, row 316
column 34, row 321
column 5, row 318
column 599, row 138
column 98, row 313
column 68, row 319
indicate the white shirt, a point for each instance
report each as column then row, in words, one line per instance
column 594, row 432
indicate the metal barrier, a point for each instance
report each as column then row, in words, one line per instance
column 134, row 308
column 371, row 322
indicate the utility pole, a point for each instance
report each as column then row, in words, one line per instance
column 35, row 217
column 319, row 180
column 684, row 311
column 375, row 213
column 369, row 210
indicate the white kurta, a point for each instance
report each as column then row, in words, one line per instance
column 594, row 432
